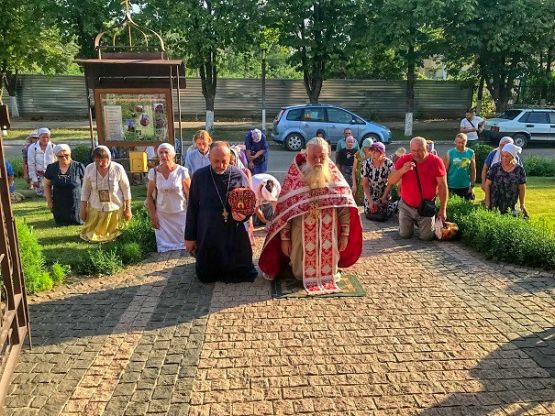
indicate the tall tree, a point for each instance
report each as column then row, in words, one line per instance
column 408, row 28
column 499, row 40
column 82, row 20
column 30, row 43
column 200, row 30
column 317, row 31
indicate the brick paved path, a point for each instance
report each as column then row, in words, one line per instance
column 440, row 332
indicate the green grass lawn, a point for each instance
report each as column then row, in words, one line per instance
column 540, row 196
column 58, row 135
column 60, row 244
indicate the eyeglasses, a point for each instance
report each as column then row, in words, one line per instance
column 63, row 156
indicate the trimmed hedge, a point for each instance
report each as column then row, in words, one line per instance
column 82, row 153
column 503, row 237
column 539, row 166
column 481, row 151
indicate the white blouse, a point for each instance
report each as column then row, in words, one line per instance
column 115, row 181
column 170, row 197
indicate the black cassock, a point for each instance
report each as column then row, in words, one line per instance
column 224, row 252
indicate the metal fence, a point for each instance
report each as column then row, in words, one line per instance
column 241, row 98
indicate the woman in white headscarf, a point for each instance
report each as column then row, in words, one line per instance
column 167, row 193
column 106, row 198
column 62, row 186
column 506, row 182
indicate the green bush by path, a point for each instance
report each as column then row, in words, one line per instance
column 36, row 275
column 82, row 153
column 17, row 166
column 539, row 166
column 503, row 237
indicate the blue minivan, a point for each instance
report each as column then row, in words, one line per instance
column 295, row 125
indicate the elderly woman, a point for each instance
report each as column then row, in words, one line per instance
column 375, row 171
column 167, row 193
column 62, row 186
column 360, row 156
column 495, row 157
column 106, row 198
column 197, row 153
column 257, row 150
column 506, row 182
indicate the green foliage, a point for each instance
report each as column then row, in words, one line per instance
column 539, row 166
column 131, row 253
column 103, row 261
column 503, row 237
column 17, row 165
column 59, row 272
column 36, row 275
column 139, row 230
column 82, row 153
column 481, row 151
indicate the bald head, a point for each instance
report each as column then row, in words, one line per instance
column 220, row 156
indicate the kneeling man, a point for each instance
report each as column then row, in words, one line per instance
column 316, row 226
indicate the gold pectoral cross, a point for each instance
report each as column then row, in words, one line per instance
column 225, row 214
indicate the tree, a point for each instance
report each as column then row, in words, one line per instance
column 408, row 28
column 317, row 31
column 82, row 20
column 499, row 40
column 30, row 42
column 199, row 30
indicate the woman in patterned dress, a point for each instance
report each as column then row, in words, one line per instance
column 506, row 182
column 375, row 171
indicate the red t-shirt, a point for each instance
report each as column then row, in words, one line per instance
column 431, row 168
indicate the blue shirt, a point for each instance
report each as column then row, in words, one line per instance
column 10, row 172
column 194, row 160
column 253, row 147
column 493, row 157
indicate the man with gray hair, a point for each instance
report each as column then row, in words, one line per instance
column 316, row 226
column 39, row 156
column 423, row 177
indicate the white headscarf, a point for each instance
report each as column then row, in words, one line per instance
column 60, row 148
column 168, row 147
column 256, row 135
column 513, row 149
column 44, row 130
column 106, row 149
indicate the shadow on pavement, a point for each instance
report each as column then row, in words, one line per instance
column 516, row 379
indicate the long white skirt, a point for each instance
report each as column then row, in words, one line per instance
column 171, row 234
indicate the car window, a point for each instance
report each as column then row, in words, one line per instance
column 552, row 117
column 336, row 115
column 294, row 115
column 509, row 114
column 537, row 117
column 314, row 114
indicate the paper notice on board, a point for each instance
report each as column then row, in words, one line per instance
column 113, row 124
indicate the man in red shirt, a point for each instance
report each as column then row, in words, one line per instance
column 433, row 180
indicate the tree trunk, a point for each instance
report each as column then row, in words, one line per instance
column 10, row 82
column 411, row 80
column 263, row 72
column 480, row 96
column 209, row 78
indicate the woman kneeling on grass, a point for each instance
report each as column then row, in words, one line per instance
column 506, row 182
column 106, row 198
column 167, row 193
column 62, row 186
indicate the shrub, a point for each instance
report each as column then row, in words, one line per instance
column 36, row 275
column 17, row 166
column 481, row 151
column 59, row 272
column 82, row 153
column 539, row 166
column 139, row 230
column 503, row 237
column 131, row 253
column 103, row 261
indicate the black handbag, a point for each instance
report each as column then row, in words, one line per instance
column 427, row 207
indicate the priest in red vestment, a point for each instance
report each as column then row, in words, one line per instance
column 316, row 226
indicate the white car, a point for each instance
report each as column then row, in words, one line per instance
column 523, row 125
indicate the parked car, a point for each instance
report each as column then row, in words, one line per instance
column 295, row 125
column 523, row 125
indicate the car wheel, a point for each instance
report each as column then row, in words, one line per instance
column 294, row 142
column 520, row 139
column 374, row 137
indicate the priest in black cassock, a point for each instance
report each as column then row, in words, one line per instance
column 218, row 239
